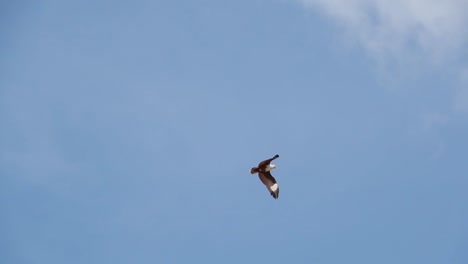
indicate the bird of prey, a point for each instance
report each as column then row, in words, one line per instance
column 263, row 169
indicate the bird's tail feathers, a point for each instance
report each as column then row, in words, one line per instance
column 253, row 170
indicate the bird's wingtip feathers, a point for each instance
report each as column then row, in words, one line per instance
column 274, row 194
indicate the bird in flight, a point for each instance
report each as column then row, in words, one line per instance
column 263, row 169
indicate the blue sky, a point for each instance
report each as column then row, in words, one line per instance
column 129, row 129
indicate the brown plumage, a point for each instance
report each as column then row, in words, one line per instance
column 263, row 169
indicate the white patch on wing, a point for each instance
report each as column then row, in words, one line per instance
column 274, row 187
column 269, row 167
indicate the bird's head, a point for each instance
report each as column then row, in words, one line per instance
column 270, row 167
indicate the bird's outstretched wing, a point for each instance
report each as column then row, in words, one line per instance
column 267, row 161
column 270, row 183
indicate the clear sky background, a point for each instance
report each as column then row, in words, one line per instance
column 128, row 129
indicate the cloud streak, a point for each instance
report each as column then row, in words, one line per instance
column 406, row 34
column 392, row 28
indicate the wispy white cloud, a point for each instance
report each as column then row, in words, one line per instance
column 407, row 35
column 431, row 28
